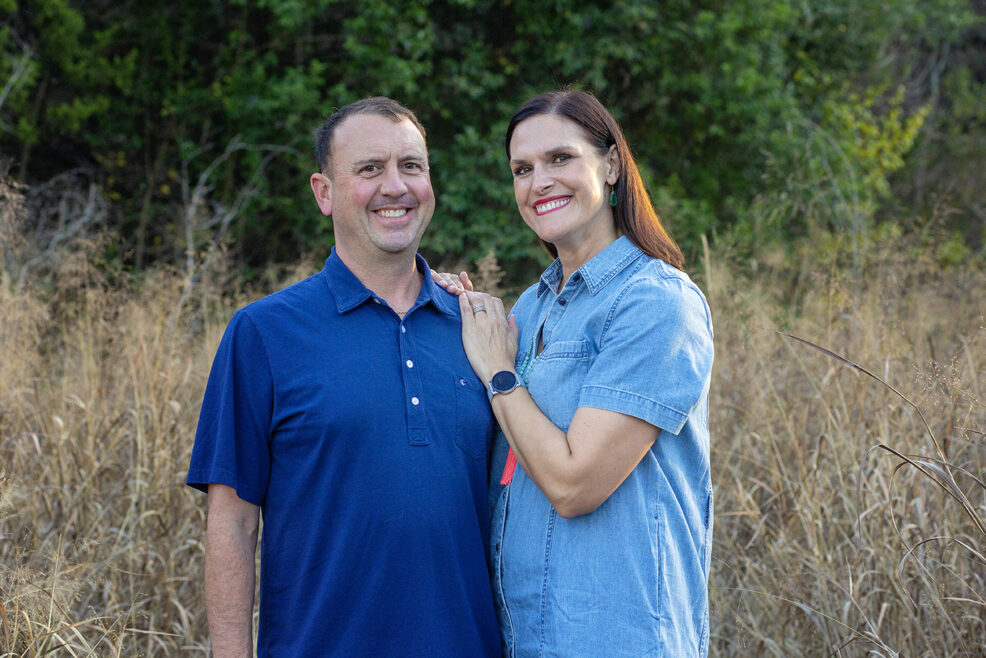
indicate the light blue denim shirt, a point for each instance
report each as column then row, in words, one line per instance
column 631, row 334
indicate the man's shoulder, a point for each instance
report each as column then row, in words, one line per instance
column 301, row 295
column 449, row 302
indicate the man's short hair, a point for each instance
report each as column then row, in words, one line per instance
column 379, row 105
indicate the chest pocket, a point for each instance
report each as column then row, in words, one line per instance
column 473, row 417
column 556, row 377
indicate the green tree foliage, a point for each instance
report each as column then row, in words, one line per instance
column 751, row 117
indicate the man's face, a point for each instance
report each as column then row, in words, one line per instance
column 379, row 189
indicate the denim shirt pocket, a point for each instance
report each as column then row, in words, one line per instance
column 556, row 378
column 473, row 417
column 565, row 349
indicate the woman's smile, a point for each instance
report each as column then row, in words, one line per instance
column 544, row 206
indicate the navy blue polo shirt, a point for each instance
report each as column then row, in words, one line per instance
column 365, row 441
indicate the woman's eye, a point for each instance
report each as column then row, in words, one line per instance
column 521, row 170
column 561, row 157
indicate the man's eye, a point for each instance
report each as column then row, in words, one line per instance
column 412, row 165
column 370, row 169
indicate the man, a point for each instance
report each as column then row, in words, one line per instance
column 343, row 409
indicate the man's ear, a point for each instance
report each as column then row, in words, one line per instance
column 322, row 189
column 613, row 159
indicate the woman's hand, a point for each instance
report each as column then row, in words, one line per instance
column 488, row 335
column 455, row 284
column 576, row 470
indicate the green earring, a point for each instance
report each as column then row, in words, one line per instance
column 612, row 198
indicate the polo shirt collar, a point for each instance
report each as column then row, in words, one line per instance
column 349, row 292
column 599, row 270
column 442, row 300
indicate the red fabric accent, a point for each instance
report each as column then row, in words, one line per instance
column 508, row 468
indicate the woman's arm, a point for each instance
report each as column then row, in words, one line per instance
column 578, row 470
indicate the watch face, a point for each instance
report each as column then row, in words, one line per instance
column 503, row 381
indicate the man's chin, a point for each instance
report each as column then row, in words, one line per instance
column 402, row 248
column 399, row 244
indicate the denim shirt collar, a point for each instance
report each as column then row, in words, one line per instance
column 349, row 292
column 599, row 270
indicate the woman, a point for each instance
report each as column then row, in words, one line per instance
column 601, row 537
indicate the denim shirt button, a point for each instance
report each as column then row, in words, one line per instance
column 562, row 301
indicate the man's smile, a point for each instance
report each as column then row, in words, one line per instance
column 393, row 213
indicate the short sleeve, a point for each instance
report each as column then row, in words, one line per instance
column 655, row 353
column 232, row 440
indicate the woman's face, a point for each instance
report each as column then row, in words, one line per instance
column 560, row 183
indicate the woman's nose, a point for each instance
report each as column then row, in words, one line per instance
column 541, row 182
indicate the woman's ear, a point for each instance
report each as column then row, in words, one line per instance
column 613, row 160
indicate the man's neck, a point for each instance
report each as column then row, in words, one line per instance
column 394, row 278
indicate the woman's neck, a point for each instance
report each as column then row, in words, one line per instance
column 578, row 255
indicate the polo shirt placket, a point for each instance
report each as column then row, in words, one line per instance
column 413, row 392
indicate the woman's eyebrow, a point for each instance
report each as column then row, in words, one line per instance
column 554, row 150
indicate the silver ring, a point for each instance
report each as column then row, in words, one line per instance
column 477, row 309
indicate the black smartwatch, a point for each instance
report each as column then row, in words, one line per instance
column 502, row 382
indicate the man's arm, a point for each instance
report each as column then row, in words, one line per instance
column 230, row 572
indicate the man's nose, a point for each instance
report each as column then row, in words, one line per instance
column 393, row 183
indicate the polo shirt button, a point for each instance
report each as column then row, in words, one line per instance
column 410, row 363
column 376, row 300
column 415, row 401
column 403, row 329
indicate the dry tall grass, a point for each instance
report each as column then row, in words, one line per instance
column 827, row 541
column 823, row 546
column 101, row 544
